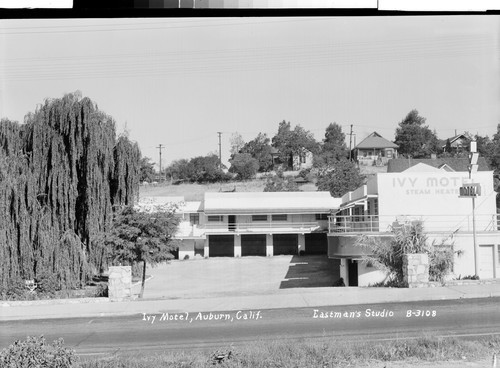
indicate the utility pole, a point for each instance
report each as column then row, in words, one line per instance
column 220, row 151
column 160, row 147
column 350, row 144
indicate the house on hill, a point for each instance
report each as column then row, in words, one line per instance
column 375, row 149
column 459, row 142
column 296, row 162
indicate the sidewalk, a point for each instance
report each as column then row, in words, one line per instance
column 285, row 298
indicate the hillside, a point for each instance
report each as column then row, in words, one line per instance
column 194, row 192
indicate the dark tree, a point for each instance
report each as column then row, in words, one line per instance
column 333, row 148
column 414, row 138
column 291, row 143
column 147, row 171
column 140, row 237
column 447, row 148
column 280, row 183
column 244, row 166
column 339, row 178
column 260, row 149
column 61, row 173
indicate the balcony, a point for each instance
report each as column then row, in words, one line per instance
column 262, row 227
column 187, row 230
column 432, row 223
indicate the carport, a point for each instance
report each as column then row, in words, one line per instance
column 316, row 243
column 221, row 245
column 253, row 245
column 287, row 244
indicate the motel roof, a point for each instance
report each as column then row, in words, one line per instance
column 456, row 164
column 269, row 202
column 375, row 140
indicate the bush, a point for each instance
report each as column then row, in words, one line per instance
column 16, row 290
column 35, row 352
column 47, row 283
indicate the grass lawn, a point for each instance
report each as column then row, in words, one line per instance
column 312, row 353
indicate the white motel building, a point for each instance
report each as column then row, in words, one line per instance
column 239, row 224
column 417, row 192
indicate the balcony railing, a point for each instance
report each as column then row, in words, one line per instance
column 432, row 223
column 261, row 227
column 187, row 229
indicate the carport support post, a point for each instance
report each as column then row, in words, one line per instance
column 302, row 243
column 269, row 245
column 205, row 247
column 237, row 245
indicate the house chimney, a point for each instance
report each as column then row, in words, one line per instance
column 433, row 156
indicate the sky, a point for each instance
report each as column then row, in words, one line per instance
column 179, row 81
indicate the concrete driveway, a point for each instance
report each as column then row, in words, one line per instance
column 217, row 277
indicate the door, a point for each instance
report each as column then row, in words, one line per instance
column 316, row 243
column 285, row 244
column 352, row 269
column 253, row 245
column 486, row 261
column 221, row 245
column 231, row 222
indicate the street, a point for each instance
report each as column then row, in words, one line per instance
column 171, row 330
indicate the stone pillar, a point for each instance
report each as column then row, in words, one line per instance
column 205, row 248
column 416, row 270
column 302, row 243
column 269, row 245
column 120, row 283
column 237, row 245
column 343, row 271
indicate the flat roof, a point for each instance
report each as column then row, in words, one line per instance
column 269, row 202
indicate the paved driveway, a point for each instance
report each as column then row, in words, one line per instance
column 239, row 276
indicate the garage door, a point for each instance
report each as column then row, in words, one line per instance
column 316, row 243
column 486, row 261
column 253, row 245
column 221, row 245
column 285, row 244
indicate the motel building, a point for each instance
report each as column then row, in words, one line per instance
column 421, row 191
column 239, row 224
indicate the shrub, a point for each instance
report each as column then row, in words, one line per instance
column 15, row 290
column 35, row 352
column 47, row 283
column 409, row 238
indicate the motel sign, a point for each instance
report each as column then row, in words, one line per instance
column 471, row 190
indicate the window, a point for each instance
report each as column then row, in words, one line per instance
column 321, row 216
column 375, row 207
column 279, row 217
column 194, row 218
column 216, row 218
column 303, row 158
column 259, row 217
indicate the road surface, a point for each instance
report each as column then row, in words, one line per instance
column 211, row 330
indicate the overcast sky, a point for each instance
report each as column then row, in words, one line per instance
column 179, row 81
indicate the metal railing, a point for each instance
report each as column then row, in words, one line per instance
column 186, row 229
column 266, row 226
column 432, row 223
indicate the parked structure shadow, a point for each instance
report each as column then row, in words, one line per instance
column 311, row 271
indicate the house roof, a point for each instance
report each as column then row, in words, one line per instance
column 457, row 164
column 269, row 202
column 375, row 140
column 453, row 139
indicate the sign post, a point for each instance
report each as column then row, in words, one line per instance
column 472, row 190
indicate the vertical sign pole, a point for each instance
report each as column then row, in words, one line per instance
column 476, row 248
